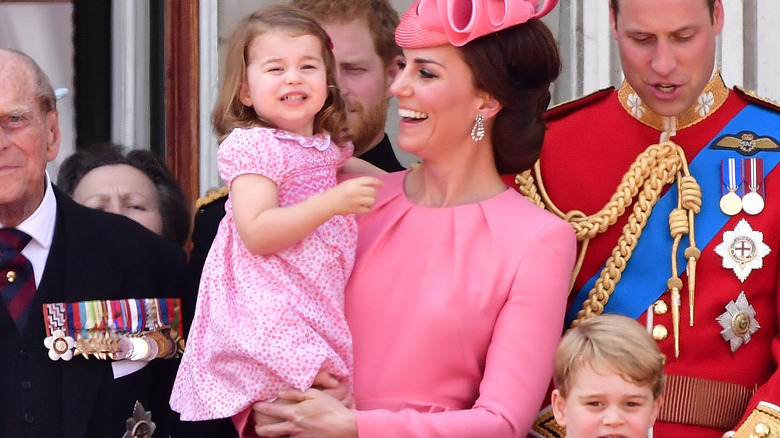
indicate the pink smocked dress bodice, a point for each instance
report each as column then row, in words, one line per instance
column 267, row 322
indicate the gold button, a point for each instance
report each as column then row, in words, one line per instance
column 660, row 307
column 762, row 429
column 660, row 332
column 740, row 324
column 10, row 276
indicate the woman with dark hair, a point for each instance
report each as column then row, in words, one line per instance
column 457, row 298
column 136, row 185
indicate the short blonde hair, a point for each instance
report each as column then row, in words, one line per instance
column 610, row 343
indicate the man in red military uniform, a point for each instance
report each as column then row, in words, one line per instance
column 672, row 184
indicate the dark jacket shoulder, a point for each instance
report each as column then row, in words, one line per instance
column 214, row 196
column 115, row 234
column 118, row 253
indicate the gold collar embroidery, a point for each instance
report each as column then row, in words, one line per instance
column 711, row 98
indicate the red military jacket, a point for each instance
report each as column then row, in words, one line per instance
column 722, row 371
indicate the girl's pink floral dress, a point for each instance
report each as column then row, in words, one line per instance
column 267, row 322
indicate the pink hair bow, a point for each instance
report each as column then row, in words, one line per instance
column 464, row 20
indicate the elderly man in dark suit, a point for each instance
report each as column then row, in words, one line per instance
column 77, row 255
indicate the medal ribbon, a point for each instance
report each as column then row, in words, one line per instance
column 642, row 282
column 55, row 317
column 729, row 171
column 117, row 317
column 137, row 314
column 122, row 316
column 754, row 175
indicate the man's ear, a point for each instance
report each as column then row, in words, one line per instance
column 612, row 22
column 391, row 71
column 718, row 17
column 559, row 407
column 52, row 135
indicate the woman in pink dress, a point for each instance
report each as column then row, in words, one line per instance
column 270, row 309
column 457, row 298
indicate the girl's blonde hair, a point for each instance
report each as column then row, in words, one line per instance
column 610, row 343
column 230, row 113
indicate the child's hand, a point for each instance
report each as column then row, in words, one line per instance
column 355, row 195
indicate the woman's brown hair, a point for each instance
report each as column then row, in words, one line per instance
column 516, row 66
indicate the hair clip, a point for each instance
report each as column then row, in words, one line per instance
column 328, row 42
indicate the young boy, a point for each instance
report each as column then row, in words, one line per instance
column 608, row 379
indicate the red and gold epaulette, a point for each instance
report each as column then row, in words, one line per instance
column 564, row 108
column 211, row 197
column 753, row 97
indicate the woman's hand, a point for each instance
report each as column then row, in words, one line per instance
column 334, row 388
column 310, row 414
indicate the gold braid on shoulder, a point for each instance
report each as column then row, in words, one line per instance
column 640, row 189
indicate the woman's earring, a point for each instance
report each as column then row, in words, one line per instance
column 478, row 131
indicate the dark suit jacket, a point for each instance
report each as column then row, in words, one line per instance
column 94, row 256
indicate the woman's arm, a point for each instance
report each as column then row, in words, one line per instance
column 256, row 210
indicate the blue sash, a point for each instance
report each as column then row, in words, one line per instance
column 646, row 274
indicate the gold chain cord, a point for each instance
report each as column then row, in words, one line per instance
column 659, row 165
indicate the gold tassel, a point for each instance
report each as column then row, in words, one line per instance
column 692, row 254
column 675, row 284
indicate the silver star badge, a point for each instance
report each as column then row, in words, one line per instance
column 140, row 425
column 738, row 322
column 742, row 250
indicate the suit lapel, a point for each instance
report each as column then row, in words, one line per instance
column 67, row 278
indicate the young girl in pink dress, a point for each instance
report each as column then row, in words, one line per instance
column 270, row 311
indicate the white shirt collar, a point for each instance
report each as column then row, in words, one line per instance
column 40, row 224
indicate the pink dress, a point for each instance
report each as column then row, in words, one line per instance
column 455, row 314
column 267, row 322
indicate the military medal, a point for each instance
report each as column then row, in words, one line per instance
column 738, row 322
column 152, row 348
column 730, row 202
column 140, row 329
column 123, row 349
column 753, row 201
column 742, row 249
column 139, row 349
column 60, row 346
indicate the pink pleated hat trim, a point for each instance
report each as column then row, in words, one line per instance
column 431, row 23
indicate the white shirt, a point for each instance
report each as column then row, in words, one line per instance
column 40, row 226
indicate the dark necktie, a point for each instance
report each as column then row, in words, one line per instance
column 17, row 284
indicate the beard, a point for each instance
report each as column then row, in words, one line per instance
column 365, row 124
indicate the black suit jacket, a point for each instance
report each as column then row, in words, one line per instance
column 94, row 256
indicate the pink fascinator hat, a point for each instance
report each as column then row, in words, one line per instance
column 430, row 23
